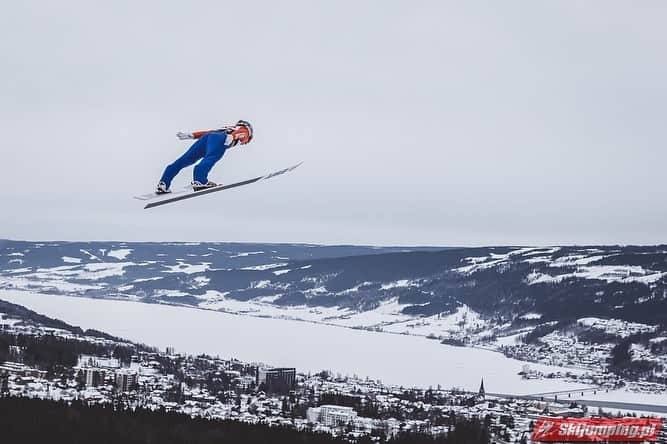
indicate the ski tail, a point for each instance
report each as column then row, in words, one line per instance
column 154, row 195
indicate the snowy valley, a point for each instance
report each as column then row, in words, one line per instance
column 598, row 309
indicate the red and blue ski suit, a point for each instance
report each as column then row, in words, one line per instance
column 210, row 147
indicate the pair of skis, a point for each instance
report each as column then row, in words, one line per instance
column 155, row 200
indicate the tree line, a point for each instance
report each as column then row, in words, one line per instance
column 50, row 352
column 29, row 421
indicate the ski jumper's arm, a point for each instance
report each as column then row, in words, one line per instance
column 198, row 134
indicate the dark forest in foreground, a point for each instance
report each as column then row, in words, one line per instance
column 26, row 421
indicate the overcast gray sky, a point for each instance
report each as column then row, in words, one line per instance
column 420, row 122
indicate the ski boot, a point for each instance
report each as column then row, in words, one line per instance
column 162, row 188
column 198, row 186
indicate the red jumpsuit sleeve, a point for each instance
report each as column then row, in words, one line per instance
column 198, row 134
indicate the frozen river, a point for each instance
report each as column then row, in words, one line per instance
column 395, row 359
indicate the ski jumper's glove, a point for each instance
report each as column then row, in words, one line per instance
column 183, row 136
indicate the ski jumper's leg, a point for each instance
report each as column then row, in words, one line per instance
column 215, row 148
column 193, row 154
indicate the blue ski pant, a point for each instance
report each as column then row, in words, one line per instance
column 209, row 148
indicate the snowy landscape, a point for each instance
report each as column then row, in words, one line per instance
column 93, row 368
column 400, row 360
column 424, row 316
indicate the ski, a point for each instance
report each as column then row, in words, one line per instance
column 175, row 197
column 154, row 195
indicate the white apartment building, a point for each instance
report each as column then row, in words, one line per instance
column 331, row 415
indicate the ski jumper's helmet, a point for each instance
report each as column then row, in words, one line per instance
column 243, row 131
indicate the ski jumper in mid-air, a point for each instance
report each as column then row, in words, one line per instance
column 209, row 147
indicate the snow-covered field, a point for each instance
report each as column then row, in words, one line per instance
column 386, row 317
column 395, row 359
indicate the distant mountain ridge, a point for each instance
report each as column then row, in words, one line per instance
column 520, row 285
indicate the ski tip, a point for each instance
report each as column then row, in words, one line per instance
column 292, row 168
